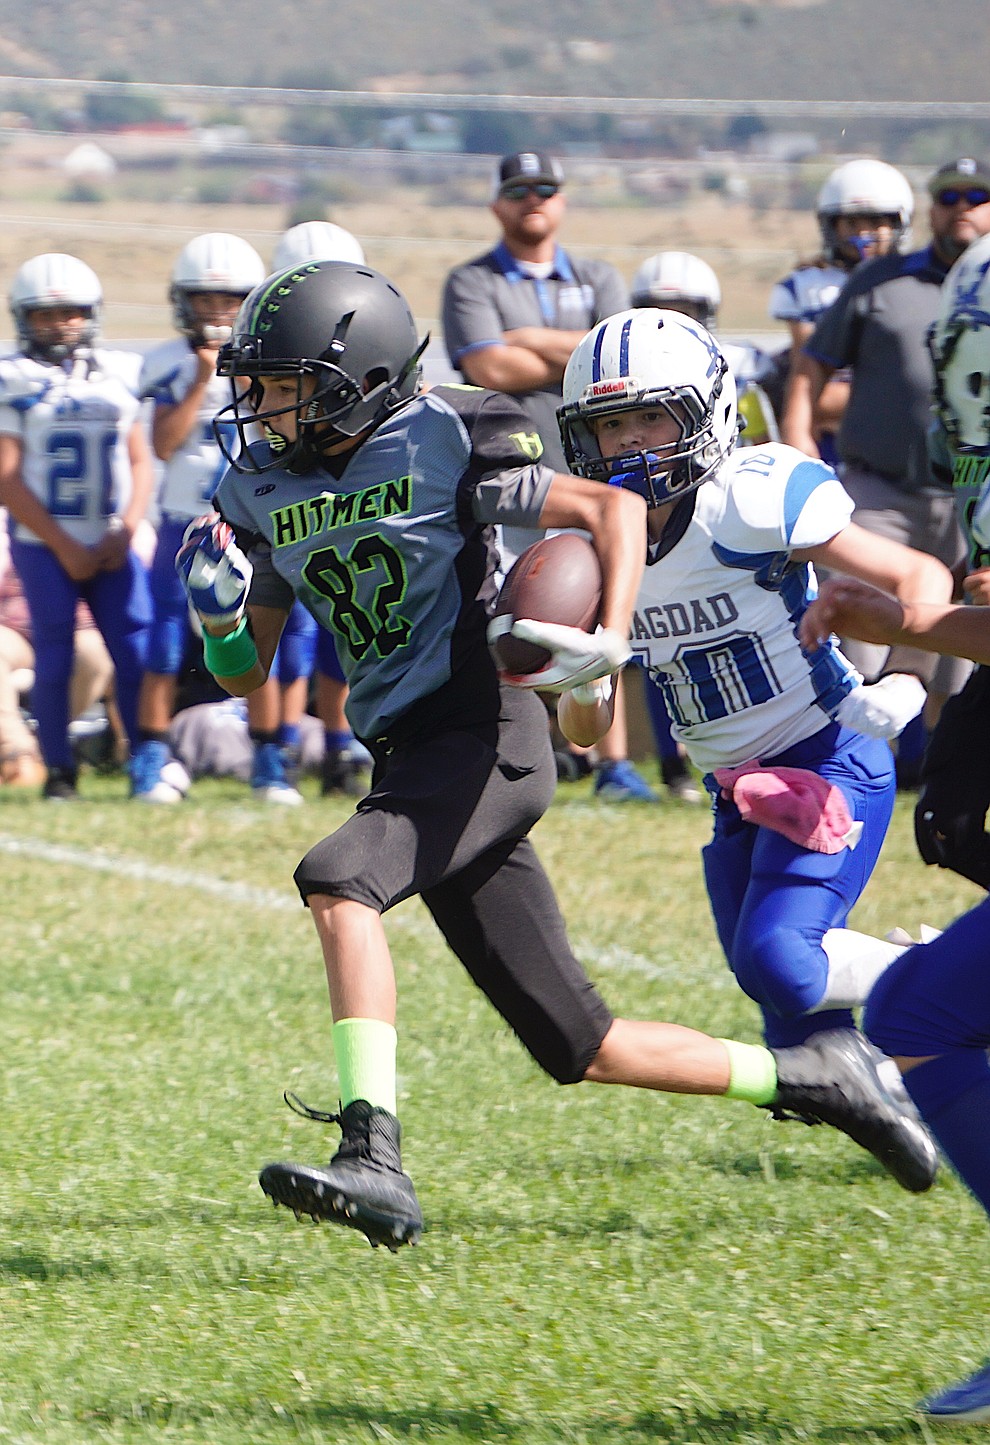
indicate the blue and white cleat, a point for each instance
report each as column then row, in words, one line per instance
column 269, row 780
column 619, row 782
column 967, row 1403
column 155, row 776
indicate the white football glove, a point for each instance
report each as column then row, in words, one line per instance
column 883, row 709
column 214, row 571
column 576, row 656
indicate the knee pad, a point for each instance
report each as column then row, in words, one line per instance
column 782, row 971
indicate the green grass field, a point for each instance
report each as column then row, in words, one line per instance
column 601, row 1267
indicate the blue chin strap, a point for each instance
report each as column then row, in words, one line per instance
column 640, row 472
column 860, row 243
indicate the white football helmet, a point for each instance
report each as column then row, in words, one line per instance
column 960, row 347
column 674, row 279
column 316, row 241
column 659, row 359
column 49, row 281
column 865, row 187
column 216, row 261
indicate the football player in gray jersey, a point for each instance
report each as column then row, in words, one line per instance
column 374, row 501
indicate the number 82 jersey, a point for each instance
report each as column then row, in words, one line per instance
column 716, row 618
column 396, row 555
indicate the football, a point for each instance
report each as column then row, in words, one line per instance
column 558, row 579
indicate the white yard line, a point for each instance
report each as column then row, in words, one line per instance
column 144, row 872
column 611, row 959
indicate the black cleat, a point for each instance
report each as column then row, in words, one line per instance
column 60, row 785
column 362, row 1187
column 832, row 1079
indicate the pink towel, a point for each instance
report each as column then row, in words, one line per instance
column 793, row 801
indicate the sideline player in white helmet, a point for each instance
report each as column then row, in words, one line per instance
column 316, row 241
column 75, row 476
column 649, row 404
column 864, row 209
column 210, row 278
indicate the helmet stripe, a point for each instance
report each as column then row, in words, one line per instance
column 263, row 296
column 624, row 347
column 596, row 355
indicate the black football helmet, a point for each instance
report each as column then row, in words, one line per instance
column 343, row 324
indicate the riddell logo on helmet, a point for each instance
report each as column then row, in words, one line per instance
column 606, row 388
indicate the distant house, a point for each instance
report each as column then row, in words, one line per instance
column 89, row 161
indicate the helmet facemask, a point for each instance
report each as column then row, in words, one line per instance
column 52, row 351
column 197, row 331
column 850, row 250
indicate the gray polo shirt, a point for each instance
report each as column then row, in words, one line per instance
column 878, row 325
column 492, row 294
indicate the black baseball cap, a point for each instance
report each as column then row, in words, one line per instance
column 528, row 168
column 966, row 172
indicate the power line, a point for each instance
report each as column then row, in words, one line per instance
column 934, row 110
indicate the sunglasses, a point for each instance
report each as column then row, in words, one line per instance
column 974, row 196
column 545, row 190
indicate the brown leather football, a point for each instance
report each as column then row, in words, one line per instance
column 558, row 579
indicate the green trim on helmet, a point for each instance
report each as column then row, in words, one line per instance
column 273, row 283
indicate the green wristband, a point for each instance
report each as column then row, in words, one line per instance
column 753, row 1073
column 230, row 656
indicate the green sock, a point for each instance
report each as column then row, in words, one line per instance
column 753, row 1073
column 365, row 1052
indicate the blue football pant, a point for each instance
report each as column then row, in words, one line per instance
column 170, row 627
column 935, row 1001
column 121, row 606
column 773, row 900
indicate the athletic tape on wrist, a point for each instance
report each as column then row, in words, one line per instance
column 230, row 656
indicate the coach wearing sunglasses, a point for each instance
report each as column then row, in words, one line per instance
column 512, row 317
column 879, row 325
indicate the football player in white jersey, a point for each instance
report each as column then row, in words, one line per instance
column 649, row 405
column 864, row 209
column 210, row 278
column 680, row 281
column 75, row 475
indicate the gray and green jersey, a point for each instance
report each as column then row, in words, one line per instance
column 969, row 474
column 396, row 556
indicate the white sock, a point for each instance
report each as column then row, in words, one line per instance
column 855, row 962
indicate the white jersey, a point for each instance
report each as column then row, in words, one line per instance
column 806, row 292
column 74, row 422
column 190, row 476
column 716, row 618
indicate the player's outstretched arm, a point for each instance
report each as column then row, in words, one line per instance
column 852, row 608
column 907, row 574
